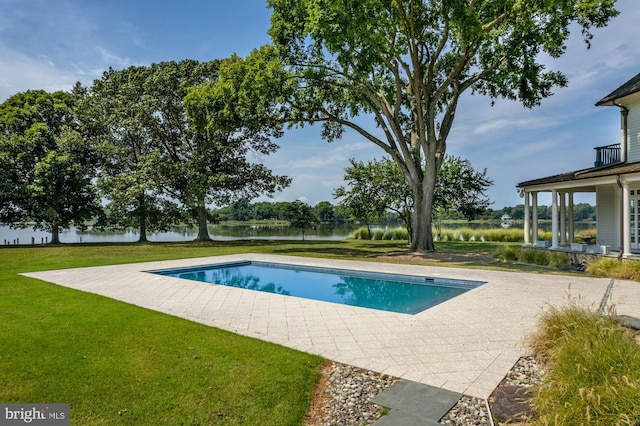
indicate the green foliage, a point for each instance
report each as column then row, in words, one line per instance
column 558, row 259
column 506, row 253
column 626, row 269
column 135, row 109
column 533, row 256
column 379, row 186
column 363, row 233
column 406, row 64
column 461, row 188
column 593, row 369
column 372, row 188
column 302, row 216
column 46, row 165
column 396, row 234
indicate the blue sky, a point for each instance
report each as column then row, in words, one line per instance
column 50, row 45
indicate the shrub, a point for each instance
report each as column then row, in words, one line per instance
column 536, row 257
column 465, row 234
column 362, row 233
column 593, row 369
column 506, row 253
column 396, row 234
column 614, row 268
column 378, row 234
column 557, row 260
column 545, row 235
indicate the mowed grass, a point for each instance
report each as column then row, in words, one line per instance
column 116, row 363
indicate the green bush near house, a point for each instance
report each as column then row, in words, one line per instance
column 532, row 256
column 536, row 257
column 593, row 369
column 558, row 259
column 614, row 268
column 506, row 253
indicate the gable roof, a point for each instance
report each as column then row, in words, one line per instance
column 630, row 87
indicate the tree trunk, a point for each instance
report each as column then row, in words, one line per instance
column 143, row 219
column 203, row 231
column 422, row 235
column 55, row 234
column 143, row 231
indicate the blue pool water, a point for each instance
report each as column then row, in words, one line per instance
column 389, row 292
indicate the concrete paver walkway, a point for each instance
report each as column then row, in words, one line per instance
column 464, row 345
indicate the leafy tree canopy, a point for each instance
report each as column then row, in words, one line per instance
column 234, row 115
column 379, row 185
column 302, row 216
column 46, row 166
column 406, row 63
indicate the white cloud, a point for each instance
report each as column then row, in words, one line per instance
column 115, row 61
column 19, row 72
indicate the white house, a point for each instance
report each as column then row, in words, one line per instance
column 614, row 178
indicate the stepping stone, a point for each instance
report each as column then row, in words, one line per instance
column 628, row 321
column 399, row 418
column 512, row 403
column 415, row 401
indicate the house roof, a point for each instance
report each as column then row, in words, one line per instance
column 577, row 175
column 630, row 87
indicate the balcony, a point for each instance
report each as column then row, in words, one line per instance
column 607, row 155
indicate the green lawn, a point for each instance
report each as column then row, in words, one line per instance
column 115, row 363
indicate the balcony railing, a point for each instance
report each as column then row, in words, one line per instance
column 607, row 155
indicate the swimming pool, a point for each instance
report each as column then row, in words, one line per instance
column 389, row 292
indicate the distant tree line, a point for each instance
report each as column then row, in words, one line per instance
column 327, row 212
column 581, row 212
column 244, row 210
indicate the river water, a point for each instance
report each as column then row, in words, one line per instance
column 221, row 232
column 29, row 236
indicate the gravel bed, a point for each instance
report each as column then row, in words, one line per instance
column 342, row 398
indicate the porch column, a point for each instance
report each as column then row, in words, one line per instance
column 527, row 220
column 554, row 219
column 563, row 218
column 571, row 219
column 626, row 220
column 534, row 217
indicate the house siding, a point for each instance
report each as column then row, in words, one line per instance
column 633, row 134
column 607, row 215
column 633, row 127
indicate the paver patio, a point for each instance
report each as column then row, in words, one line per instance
column 465, row 345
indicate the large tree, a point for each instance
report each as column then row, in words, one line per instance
column 134, row 121
column 46, row 166
column 406, row 63
column 235, row 117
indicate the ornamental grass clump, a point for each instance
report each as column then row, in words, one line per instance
column 593, row 369
column 506, row 253
column 536, row 257
column 614, row 268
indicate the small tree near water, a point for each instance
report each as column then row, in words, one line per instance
column 302, row 216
